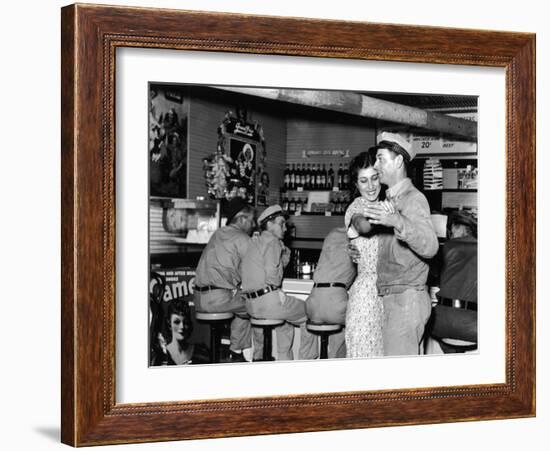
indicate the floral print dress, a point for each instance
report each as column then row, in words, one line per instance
column 365, row 312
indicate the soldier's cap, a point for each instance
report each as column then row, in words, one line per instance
column 270, row 213
column 398, row 144
column 233, row 207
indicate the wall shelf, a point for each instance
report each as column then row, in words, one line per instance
column 296, row 191
column 314, row 213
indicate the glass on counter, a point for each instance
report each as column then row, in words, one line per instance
column 306, row 270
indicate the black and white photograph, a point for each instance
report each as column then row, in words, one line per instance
column 221, row 253
column 295, row 224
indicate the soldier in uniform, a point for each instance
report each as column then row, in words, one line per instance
column 403, row 251
column 218, row 274
column 328, row 300
column 262, row 278
column 455, row 315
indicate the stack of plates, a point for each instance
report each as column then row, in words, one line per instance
column 433, row 174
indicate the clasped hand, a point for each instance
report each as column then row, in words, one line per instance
column 384, row 213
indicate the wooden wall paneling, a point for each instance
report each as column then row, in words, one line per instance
column 204, row 118
column 327, row 134
column 275, row 135
column 206, row 114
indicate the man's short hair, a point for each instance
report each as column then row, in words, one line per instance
column 245, row 211
column 394, row 150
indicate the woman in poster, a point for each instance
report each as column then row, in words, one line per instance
column 177, row 348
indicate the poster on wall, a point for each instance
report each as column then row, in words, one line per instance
column 167, row 142
column 171, row 305
column 243, row 169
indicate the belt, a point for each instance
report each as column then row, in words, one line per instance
column 330, row 284
column 257, row 294
column 458, row 303
column 209, row 288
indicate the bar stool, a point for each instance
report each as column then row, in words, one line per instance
column 457, row 346
column 267, row 325
column 324, row 331
column 214, row 320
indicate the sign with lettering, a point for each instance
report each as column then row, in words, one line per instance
column 180, row 283
column 435, row 144
column 242, row 128
column 425, row 143
column 342, row 153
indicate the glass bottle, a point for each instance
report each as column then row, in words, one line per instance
column 286, row 179
column 330, row 177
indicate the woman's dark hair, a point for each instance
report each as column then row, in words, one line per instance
column 179, row 307
column 362, row 161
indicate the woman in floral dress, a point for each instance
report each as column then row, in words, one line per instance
column 365, row 312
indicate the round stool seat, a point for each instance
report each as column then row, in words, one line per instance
column 219, row 316
column 265, row 322
column 318, row 327
column 457, row 342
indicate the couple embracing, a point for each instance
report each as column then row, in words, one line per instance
column 392, row 237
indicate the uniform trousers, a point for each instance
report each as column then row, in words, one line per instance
column 328, row 305
column 217, row 301
column 278, row 305
column 405, row 316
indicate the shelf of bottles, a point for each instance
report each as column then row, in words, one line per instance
column 301, row 179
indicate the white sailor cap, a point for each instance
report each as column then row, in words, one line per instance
column 270, row 213
column 405, row 148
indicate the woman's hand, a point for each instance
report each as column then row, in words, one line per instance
column 384, row 213
column 388, row 206
column 361, row 224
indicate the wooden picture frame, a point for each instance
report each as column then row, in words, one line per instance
column 90, row 37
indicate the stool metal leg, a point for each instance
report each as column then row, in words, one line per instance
column 267, row 343
column 214, row 352
column 324, row 346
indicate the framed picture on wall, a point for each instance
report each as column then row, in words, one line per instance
column 109, row 393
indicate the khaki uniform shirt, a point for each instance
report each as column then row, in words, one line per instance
column 402, row 256
column 221, row 259
column 263, row 263
column 335, row 264
column 328, row 304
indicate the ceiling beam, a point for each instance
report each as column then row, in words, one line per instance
column 366, row 106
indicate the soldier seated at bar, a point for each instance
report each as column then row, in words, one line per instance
column 218, row 274
column 328, row 300
column 262, row 278
column 455, row 315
